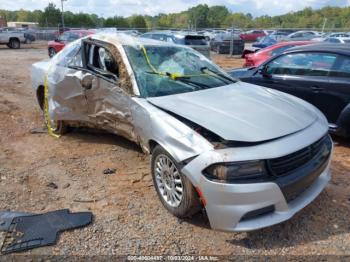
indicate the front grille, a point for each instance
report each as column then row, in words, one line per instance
column 299, row 172
column 285, row 165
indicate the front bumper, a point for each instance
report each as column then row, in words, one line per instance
column 228, row 203
column 229, row 206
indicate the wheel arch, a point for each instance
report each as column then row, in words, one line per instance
column 344, row 121
column 40, row 95
column 14, row 38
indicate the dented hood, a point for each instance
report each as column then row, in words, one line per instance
column 240, row 112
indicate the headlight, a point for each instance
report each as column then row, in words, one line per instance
column 233, row 172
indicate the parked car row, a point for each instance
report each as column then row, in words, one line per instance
column 197, row 42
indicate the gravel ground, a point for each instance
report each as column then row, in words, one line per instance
column 128, row 218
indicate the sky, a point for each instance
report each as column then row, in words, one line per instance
column 108, row 8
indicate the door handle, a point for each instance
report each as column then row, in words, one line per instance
column 316, row 89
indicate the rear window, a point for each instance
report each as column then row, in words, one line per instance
column 341, row 68
column 195, row 40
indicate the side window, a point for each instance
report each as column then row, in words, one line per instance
column 64, row 37
column 302, row 64
column 159, row 37
column 68, row 54
column 308, row 34
column 101, row 61
column 76, row 60
column 147, row 36
column 332, row 40
column 296, row 35
column 72, row 37
column 169, row 39
column 341, row 67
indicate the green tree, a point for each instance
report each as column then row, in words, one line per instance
column 216, row 15
column 198, row 16
column 117, row 21
column 137, row 21
column 51, row 16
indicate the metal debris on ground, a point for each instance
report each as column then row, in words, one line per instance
column 52, row 185
column 32, row 231
column 38, row 130
column 109, row 171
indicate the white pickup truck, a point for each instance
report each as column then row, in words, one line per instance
column 11, row 38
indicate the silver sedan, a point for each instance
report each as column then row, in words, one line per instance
column 250, row 156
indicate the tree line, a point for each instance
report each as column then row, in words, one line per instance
column 200, row 16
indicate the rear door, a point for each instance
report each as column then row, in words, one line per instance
column 337, row 94
column 108, row 100
column 65, row 88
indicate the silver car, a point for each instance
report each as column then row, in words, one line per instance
column 250, row 156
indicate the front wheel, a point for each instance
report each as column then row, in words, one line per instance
column 174, row 190
column 15, row 44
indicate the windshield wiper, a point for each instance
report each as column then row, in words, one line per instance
column 192, row 83
column 184, row 79
column 219, row 75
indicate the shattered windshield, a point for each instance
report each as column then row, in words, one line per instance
column 167, row 70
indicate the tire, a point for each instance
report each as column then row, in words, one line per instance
column 59, row 127
column 52, row 52
column 166, row 180
column 15, row 43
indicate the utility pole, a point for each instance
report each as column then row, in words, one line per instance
column 231, row 42
column 62, row 14
column 324, row 24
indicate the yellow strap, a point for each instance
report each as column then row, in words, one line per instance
column 46, row 107
column 173, row 76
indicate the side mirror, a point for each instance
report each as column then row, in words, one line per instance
column 57, row 40
column 264, row 71
column 86, row 81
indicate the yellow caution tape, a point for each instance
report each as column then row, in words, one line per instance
column 46, row 107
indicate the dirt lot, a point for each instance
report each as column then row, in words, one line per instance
column 129, row 218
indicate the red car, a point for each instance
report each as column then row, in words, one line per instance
column 256, row 59
column 65, row 38
column 252, row 35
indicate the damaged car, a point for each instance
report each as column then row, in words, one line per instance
column 250, row 156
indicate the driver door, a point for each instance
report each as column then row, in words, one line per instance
column 108, row 103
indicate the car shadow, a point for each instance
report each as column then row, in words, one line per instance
column 92, row 136
column 200, row 220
